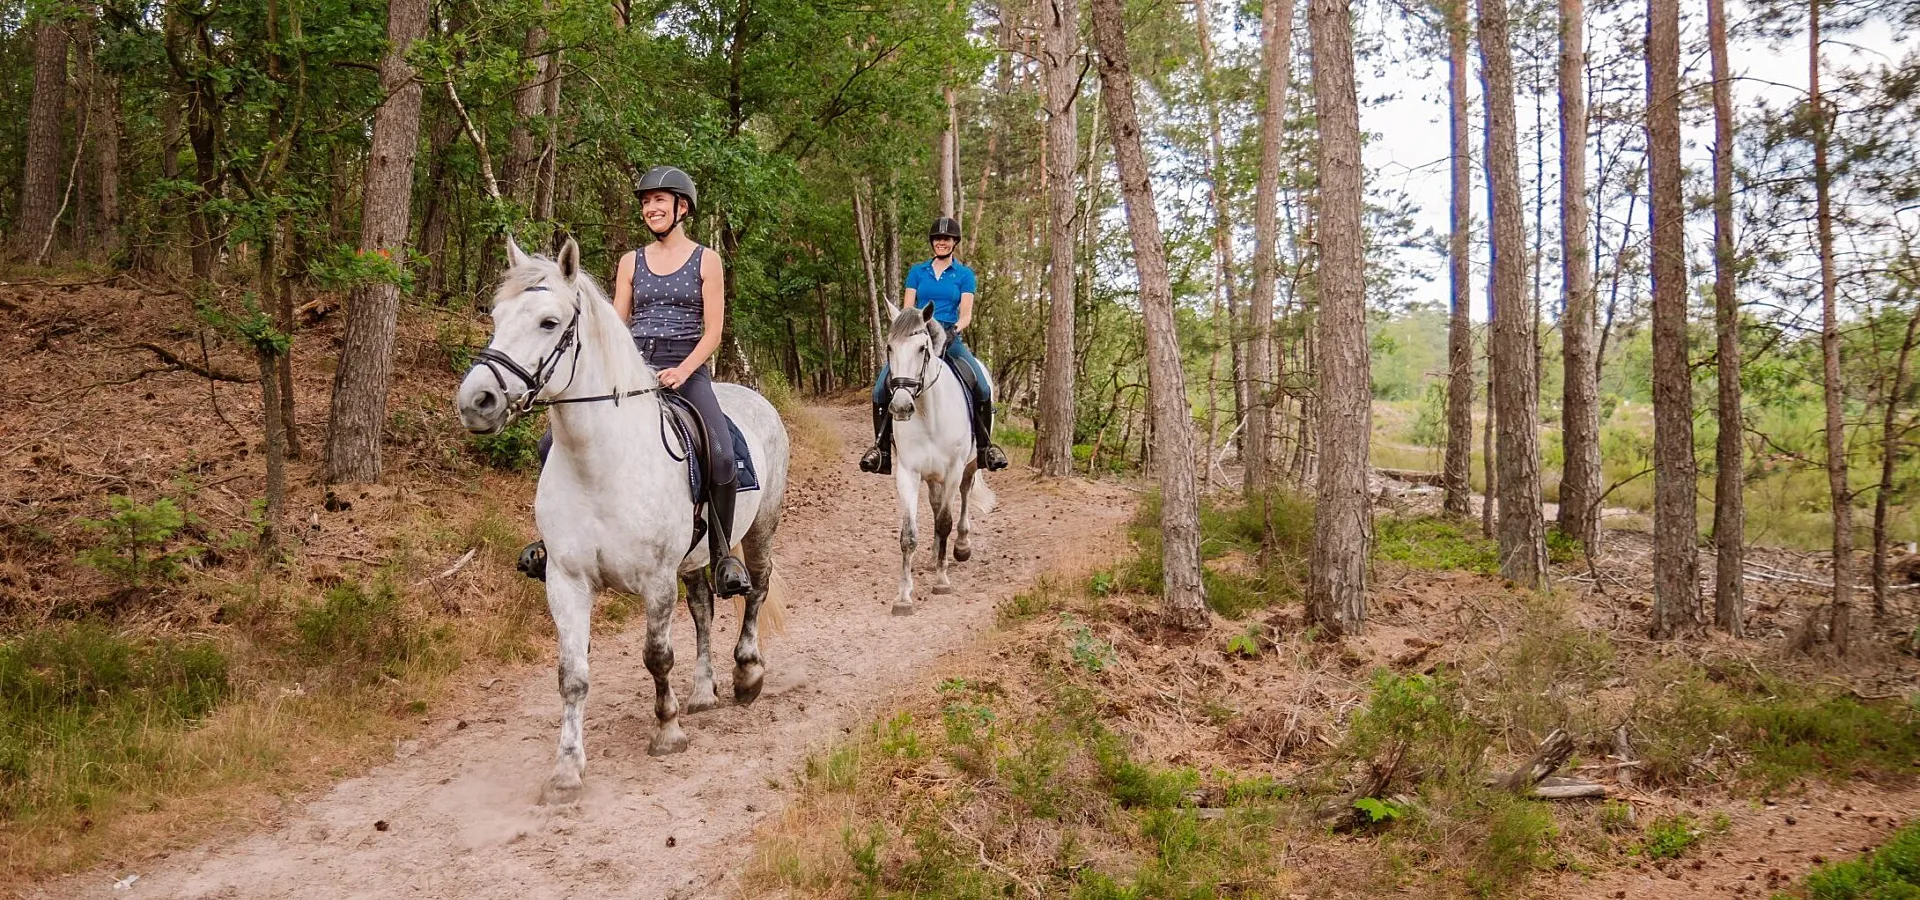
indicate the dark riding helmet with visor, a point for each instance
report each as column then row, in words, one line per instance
column 673, row 181
column 944, row 227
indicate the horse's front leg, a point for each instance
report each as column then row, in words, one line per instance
column 700, row 607
column 658, row 595
column 945, row 500
column 909, row 489
column 570, row 600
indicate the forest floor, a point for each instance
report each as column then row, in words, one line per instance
column 1034, row 733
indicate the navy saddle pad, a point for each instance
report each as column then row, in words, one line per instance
column 745, row 477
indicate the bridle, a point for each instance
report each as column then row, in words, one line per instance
column 536, row 380
column 915, row 386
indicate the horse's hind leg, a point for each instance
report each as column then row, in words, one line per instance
column 659, row 656
column 748, row 668
column 570, row 600
column 945, row 501
column 909, row 489
column 963, row 540
column 700, row 607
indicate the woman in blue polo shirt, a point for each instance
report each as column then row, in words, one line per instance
column 949, row 286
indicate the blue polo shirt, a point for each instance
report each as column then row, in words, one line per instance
column 943, row 292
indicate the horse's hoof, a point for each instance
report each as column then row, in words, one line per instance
column 667, row 741
column 943, row 589
column 903, row 609
column 745, row 692
column 560, row 790
column 701, row 701
column 962, row 554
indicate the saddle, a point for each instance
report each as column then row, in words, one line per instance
column 680, row 415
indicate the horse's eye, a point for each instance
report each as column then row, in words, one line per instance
column 549, row 324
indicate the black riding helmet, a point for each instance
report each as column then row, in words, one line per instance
column 673, row 181
column 945, row 227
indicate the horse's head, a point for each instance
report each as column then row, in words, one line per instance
column 536, row 334
column 914, row 347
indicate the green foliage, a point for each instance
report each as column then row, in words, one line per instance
column 1430, row 542
column 1430, row 424
column 1669, row 837
column 1417, row 723
column 348, row 267
column 87, row 713
column 1797, row 735
column 1245, row 644
column 1007, row 434
column 515, row 449
column 1089, row 653
column 1377, row 811
column 134, row 540
column 1516, row 837
column 365, row 631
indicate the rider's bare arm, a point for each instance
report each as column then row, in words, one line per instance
column 966, row 312
column 713, row 292
column 908, row 297
column 623, row 288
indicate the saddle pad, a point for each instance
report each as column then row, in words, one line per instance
column 746, row 478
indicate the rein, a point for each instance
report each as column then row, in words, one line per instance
column 536, row 381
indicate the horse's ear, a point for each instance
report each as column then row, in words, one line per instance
column 926, row 313
column 516, row 257
column 893, row 312
column 570, row 260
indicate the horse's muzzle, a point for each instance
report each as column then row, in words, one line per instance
column 900, row 406
column 483, row 408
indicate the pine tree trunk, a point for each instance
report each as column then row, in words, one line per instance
column 1490, row 498
column 1053, row 446
column 1729, row 500
column 1889, row 455
column 948, row 151
column 548, row 168
column 1184, row 598
column 1458, row 482
column 1580, row 378
column 359, row 414
column 1676, row 581
column 522, row 168
column 1224, row 271
column 437, row 219
column 103, row 98
column 1342, row 524
column 40, row 187
column 1839, row 624
column 1521, row 531
column 1276, row 63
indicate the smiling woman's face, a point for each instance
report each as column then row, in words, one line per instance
column 658, row 209
column 943, row 246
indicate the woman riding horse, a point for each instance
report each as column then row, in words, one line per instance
column 949, row 286
column 672, row 291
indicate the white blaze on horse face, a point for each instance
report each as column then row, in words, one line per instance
column 526, row 327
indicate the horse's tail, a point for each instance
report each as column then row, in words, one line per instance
column 773, row 609
column 980, row 498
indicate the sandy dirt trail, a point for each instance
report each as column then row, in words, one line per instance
column 459, row 804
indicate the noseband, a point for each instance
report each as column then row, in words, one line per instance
column 915, row 386
column 536, row 380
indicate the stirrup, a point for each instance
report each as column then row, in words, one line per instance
column 533, row 561
column 730, row 577
column 992, row 458
column 878, row 461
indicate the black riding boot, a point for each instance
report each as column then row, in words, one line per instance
column 879, row 460
column 730, row 578
column 991, row 457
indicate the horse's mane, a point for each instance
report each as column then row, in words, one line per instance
column 909, row 323
column 603, row 337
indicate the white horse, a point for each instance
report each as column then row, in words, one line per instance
column 614, row 504
column 932, row 443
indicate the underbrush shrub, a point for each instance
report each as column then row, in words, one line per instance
column 362, row 631
column 138, row 544
column 1431, row 542
column 515, row 449
column 86, row 712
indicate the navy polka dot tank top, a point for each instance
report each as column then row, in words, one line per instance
column 668, row 306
